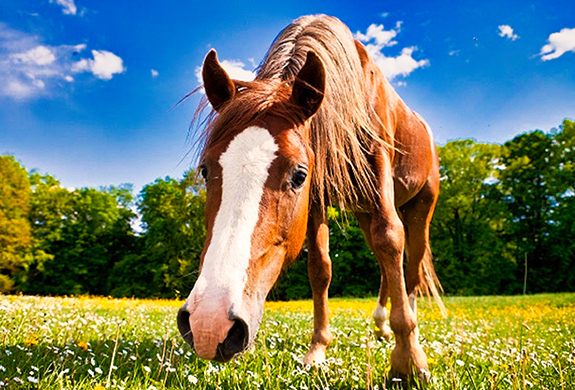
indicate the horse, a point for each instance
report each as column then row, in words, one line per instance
column 319, row 126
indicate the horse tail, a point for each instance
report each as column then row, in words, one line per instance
column 430, row 284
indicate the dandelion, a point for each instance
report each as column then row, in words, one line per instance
column 83, row 345
column 31, row 342
column 99, row 387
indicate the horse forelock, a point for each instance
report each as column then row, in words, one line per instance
column 253, row 101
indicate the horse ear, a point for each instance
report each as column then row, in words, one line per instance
column 309, row 85
column 218, row 85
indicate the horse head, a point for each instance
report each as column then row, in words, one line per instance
column 257, row 164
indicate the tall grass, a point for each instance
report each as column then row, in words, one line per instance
column 99, row 343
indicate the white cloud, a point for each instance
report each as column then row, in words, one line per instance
column 155, row 73
column 68, row 6
column 559, row 43
column 30, row 69
column 40, row 55
column 235, row 69
column 507, row 31
column 104, row 65
column 376, row 39
column 380, row 36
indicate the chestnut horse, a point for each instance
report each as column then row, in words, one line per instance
column 320, row 125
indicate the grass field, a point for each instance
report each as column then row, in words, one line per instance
column 98, row 343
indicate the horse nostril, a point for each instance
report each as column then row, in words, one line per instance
column 235, row 342
column 184, row 326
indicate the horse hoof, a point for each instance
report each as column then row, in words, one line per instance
column 384, row 333
column 314, row 357
column 396, row 380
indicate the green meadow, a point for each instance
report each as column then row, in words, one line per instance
column 512, row 342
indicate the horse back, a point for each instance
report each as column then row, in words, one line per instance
column 412, row 152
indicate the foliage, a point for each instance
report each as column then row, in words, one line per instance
column 15, row 233
column 486, row 343
column 170, row 247
column 501, row 207
column 85, row 231
column 470, row 256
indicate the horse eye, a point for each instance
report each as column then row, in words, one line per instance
column 298, row 178
column 204, row 172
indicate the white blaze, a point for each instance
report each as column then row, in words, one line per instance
column 245, row 165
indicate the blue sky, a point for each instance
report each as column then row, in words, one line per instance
column 87, row 87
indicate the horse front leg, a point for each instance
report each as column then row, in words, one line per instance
column 319, row 271
column 388, row 241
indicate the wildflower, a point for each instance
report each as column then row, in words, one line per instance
column 31, row 342
column 83, row 345
column 431, row 361
column 31, row 379
column 99, row 387
column 147, row 369
column 99, row 370
column 460, row 363
column 193, row 380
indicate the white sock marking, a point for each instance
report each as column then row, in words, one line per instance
column 413, row 305
column 245, row 165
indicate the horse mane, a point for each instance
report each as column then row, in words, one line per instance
column 341, row 132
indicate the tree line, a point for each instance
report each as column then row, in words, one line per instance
column 504, row 223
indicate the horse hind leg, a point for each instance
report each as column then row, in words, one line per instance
column 420, row 273
column 380, row 314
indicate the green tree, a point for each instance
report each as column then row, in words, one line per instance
column 86, row 231
column 563, row 222
column 528, row 183
column 15, row 233
column 467, row 231
column 171, row 244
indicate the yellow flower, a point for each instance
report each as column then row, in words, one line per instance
column 431, row 361
column 83, row 345
column 376, row 328
column 31, row 342
column 99, row 387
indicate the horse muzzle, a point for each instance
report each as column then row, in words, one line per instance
column 214, row 333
